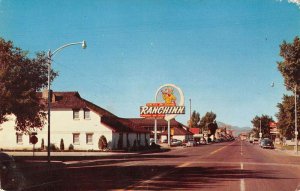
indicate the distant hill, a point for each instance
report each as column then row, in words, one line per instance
column 237, row 130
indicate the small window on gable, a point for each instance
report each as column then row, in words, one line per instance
column 87, row 114
column 75, row 113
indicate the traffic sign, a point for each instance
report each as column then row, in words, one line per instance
column 33, row 139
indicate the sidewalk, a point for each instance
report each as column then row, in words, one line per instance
column 28, row 153
column 287, row 152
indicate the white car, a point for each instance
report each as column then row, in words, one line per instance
column 191, row 143
column 175, row 142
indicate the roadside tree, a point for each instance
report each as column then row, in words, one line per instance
column 20, row 78
column 286, row 117
column 195, row 120
column 290, row 66
column 208, row 122
column 265, row 128
column 290, row 70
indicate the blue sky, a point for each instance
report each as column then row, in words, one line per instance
column 222, row 54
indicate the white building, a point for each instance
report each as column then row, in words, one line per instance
column 77, row 122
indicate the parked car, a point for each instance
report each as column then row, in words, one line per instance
column 176, row 142
column 262, row 140
column 202, row 141
column 267, row 144
column 191, row 143
column 10, row 178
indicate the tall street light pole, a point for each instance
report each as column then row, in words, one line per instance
column 190, row 125
column 50, row 56
column 260, row 134
column 296, row 128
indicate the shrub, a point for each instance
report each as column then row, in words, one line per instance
column 53, row 147
column 71, row 147
column 102, row 143
column 62, row 145
column 42, row 145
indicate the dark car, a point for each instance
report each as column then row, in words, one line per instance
column 10, row 178
column 267, row 144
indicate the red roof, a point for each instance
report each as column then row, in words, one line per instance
column 178, row 131
column 195, row 130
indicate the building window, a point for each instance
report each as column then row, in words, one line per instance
column 76, row 138
column 89, row 138
column 19, row 138
column 87, row 114
column 76, row 114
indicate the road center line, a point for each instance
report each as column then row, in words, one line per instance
column 242, row 181
column 241, row 148
column 242, row 185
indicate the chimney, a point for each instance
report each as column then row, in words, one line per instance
column 45, row 94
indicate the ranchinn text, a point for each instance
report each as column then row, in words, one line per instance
column 161, row 110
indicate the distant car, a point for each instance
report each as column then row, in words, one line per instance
column 191, row 143
column 267, row 144
column 262, row 141
column 165, row 141
column 255, row 141
column 202, row 141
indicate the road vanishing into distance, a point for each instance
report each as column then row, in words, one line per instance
column 227, row 166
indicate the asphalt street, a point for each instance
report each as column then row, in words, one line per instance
column 231, row 166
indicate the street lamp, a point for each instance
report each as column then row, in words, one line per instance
column 296, row 129
column 260, row 134
column 50, row 56
column 190, row 125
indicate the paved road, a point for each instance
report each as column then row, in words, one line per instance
column 228, row 166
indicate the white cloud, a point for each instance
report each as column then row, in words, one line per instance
column 297, row 2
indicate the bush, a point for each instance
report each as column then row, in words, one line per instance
column 62, row 145
column 42, row 145
column 53, row 147
column 71, row 147
column 102, row 143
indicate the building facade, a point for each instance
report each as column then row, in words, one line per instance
column 79, row 124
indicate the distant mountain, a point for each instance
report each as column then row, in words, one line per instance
column 236, row 130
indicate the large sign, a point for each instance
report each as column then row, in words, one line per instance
column 169, row 103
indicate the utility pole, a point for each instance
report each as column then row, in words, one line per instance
column 296, row 119
column 190, row 125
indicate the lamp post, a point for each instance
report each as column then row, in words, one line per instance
column 296, row 128
column 260, row 134
column 190, row 125
column 50, row 56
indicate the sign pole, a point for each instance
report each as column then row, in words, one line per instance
column 155, row 131
column 169, row 137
